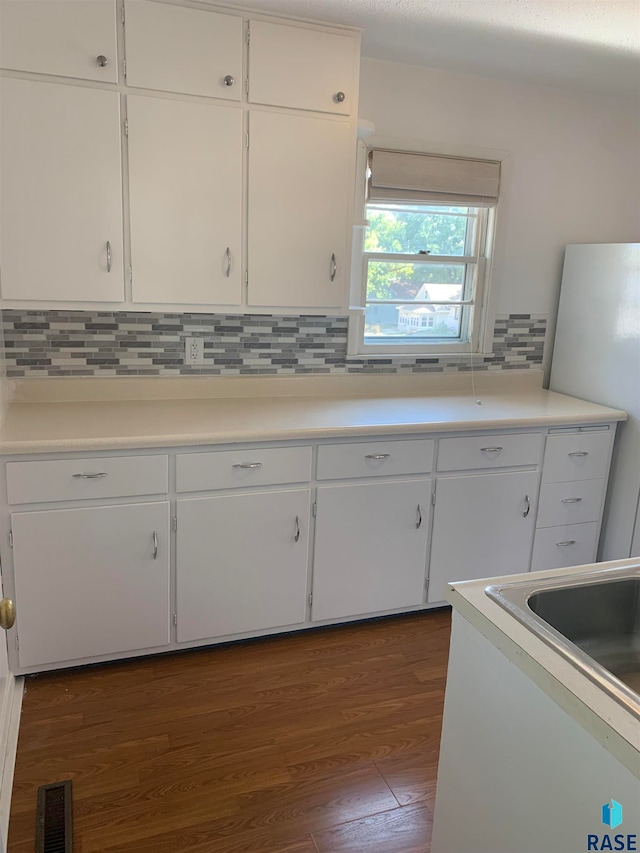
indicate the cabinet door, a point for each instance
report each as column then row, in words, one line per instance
column 241, row 563
column 301, row 68
column 185, row 174
column 91, row 581
column 371, row 547
column 483, row 526
column 299, row 192
column 68, row 38
column 180, row 49
column 61, row 219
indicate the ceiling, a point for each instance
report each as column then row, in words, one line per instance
column 592, row 45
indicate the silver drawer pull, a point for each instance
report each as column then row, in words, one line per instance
column 97, row 476
column 227, row 255
column 571, row 500
column 566, row 542
column 248, row 465
column 419, row 521
column 527, row 501
column 491, row 449
column 579, row 453
column 108, row 256
column 296, row 536
column 155, row 545
column 378, row 456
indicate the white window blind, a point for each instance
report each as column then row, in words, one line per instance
column 405, row 177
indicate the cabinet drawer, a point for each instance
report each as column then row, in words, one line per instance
column 577, row 456
column 374, row 459
column 86, row 479
column 570, row 545
column 570, row 503
column 489, row 451
column 233, row 469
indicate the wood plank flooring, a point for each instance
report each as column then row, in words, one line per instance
column 320, row 742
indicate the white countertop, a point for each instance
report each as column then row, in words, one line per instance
column 41, row 426
column 608, row 721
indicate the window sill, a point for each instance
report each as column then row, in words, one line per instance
column 435, row 357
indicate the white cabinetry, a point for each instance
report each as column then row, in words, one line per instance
column 66, row 38
column 91, row 581
column 301, row 68
column 371, row 547
column 61, row 193
column 299, row 167
column 483, row 526
column 574, row 484
column 185, row 170
column 185, row 50
column 192, row 184
column 249, row 557
column 242, row 563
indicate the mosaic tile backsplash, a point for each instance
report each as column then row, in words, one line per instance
column 122, row 343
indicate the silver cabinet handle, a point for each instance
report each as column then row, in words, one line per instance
column 419, row 521
column 579, row 453
column 571, row 500
column 566, row 542
column 228, row 80
column 248, row 465
column 333, row 268
column 527, row 501
column 377, row 456
column 297, row 533
column 102, row 61
column 97, row 476
column 108, row 256
column 227, row 270
column 491, row 449
column 155, row 545
column 339, row 97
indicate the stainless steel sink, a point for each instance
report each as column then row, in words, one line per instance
column 591, row 619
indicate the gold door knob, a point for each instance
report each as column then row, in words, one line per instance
column 7, row 614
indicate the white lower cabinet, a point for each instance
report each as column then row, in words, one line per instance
column 371, row 547
column 483, row 526
column 242, row 563
column 97, row 570
column 91, row 581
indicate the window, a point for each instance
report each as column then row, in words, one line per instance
column 424, row 254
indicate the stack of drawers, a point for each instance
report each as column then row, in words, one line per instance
column 574, row 481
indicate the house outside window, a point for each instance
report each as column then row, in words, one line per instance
column 425, row 254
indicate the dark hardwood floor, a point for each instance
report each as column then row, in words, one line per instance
column 320, row 742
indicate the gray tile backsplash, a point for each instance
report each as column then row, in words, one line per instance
column 122, row 343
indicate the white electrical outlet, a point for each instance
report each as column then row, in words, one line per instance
column 194, row 350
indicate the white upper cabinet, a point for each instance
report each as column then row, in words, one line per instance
column 181, row 49
column 68, row 38
column 61, row 206
column 302, row 68
column 299, row 174
column 185, row 175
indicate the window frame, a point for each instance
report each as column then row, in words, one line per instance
column 474, row 327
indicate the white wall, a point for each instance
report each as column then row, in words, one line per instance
column 572, row 174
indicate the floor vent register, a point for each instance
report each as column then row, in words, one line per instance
column 54, row 827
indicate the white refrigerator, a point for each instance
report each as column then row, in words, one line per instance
column 596, row 356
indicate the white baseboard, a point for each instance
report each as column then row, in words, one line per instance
column 9, row 745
